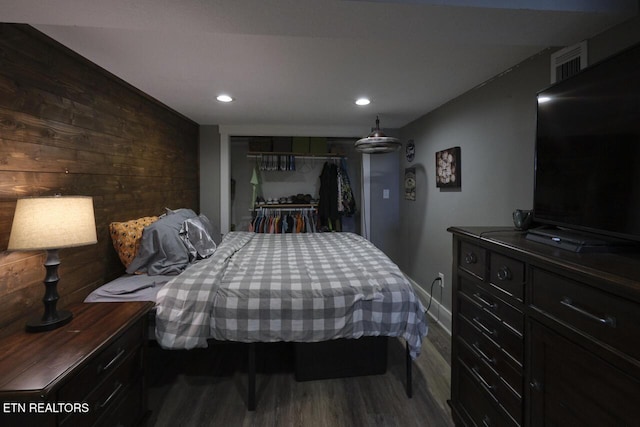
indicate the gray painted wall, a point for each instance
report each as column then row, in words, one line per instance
column 210, row 173
column 494, row 125
column 384, row 174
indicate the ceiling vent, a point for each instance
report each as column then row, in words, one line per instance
column 568, row 61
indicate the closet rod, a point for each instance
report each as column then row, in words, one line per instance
column 284, row 206
column 299, row 155
column 282, row 209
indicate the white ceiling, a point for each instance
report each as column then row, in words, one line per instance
column 304, row 62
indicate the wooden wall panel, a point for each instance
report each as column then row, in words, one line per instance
column 67, row 126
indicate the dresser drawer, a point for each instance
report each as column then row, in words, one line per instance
column 487, row 350
column 485, row 376
column 128, row 410
column 476, row 406
column 102, row 365
column 490, row 382
column 607, row 318
column 105, row 396
column 487, row 299
column 508, row 275
column 472, row 259
column 492, row 327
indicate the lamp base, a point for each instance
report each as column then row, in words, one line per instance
column 40, row 325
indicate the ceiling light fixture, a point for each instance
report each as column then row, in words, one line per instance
column 224, row 98
column 377, row 142
column 363, row 101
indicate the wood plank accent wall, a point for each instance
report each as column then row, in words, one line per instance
column 68, row 126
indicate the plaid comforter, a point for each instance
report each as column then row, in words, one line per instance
column 289, row 287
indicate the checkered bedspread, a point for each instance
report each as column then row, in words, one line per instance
column 289, row 287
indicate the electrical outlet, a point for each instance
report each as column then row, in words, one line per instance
column 441, row 276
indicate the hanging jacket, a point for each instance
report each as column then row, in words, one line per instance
column 328, row 203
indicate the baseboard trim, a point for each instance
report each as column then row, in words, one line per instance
column 437, row 311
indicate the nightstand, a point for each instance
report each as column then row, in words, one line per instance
column 88, row 372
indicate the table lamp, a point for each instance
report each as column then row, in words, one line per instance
column 52, row 223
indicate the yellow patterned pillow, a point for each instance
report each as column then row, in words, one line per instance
column 126, row 237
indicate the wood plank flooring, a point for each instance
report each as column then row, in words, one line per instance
column 208, row 387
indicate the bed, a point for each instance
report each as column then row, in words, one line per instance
column 289, row 287
column 308, row 287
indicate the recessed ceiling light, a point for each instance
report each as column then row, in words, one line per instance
column 363, row 101
column 224, row 98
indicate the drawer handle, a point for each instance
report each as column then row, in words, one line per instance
column 491, row 305
column 113, row 361
column 111, row 396
column 470, row 258
column 483, row 382
column 607, row 320
column 504, row 273
column 489, row 360
column 486, row 330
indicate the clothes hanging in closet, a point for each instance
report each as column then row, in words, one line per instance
column 328, row 201
column 275, row 222
column 336, row 195
column 347, row 203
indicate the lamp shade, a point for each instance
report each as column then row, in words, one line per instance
column 53, row 223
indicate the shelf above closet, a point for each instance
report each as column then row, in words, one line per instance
column 285, row 206
column 322, row 156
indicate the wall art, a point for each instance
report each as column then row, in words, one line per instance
column 410, row 183
column 448, row 168
column 410, row 151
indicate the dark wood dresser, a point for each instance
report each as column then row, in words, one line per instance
column 88, row 372
column 542, row 336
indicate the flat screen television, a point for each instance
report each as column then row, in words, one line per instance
column 587, row 162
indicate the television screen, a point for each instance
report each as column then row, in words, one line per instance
column 587, row 166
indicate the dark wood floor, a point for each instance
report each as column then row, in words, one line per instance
column 207, row 387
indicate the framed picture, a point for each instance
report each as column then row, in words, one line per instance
column 410, row 150
column 410, row 183
column 448, row 168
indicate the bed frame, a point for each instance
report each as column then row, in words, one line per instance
column 326, row 372
column 319, row 356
